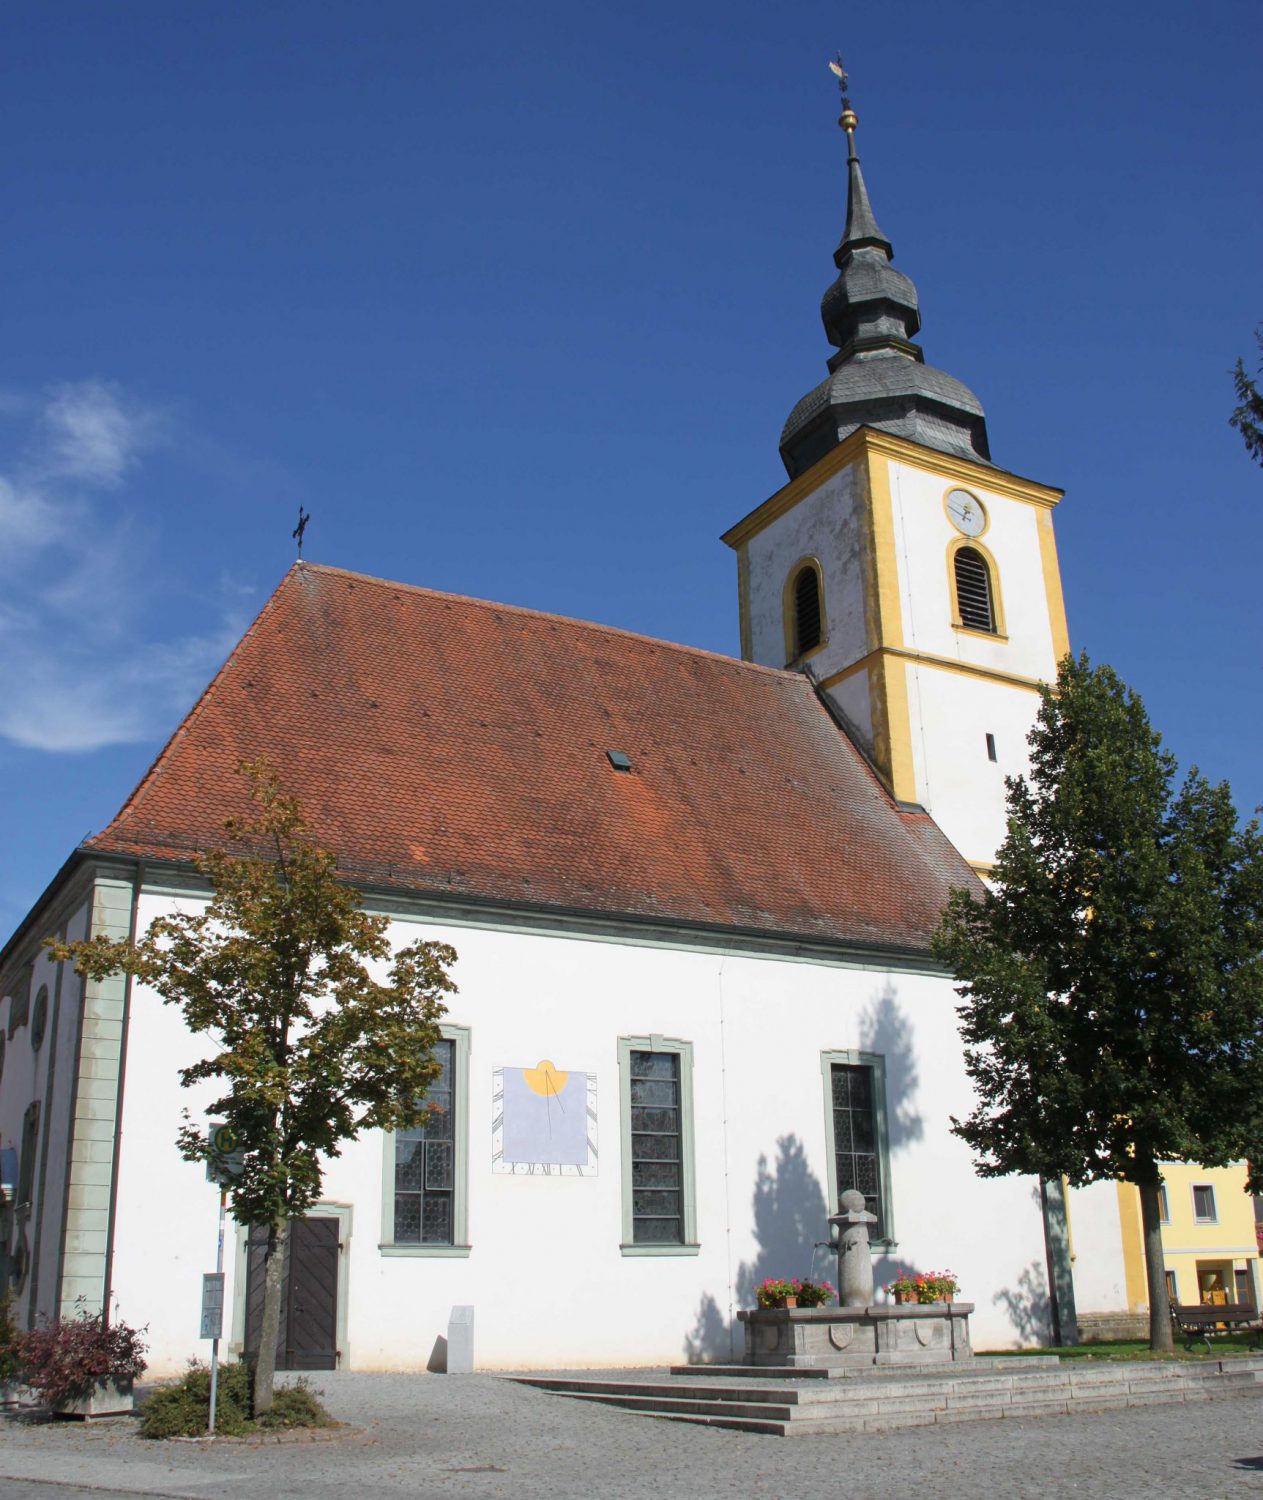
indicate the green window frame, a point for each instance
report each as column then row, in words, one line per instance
column 875, row 1063
column 458, row 1247
column 682, row 1051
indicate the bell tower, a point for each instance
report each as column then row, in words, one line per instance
column 915, row 581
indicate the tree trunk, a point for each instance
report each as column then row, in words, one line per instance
column 269, row 1333
column 1160, row 1337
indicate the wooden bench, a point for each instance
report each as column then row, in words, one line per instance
column 1209, row 1320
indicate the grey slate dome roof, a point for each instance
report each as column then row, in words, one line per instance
column 878, row 377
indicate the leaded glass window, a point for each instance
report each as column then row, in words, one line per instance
column 656, row 1156
column 425, row 1163
column 855, row 1151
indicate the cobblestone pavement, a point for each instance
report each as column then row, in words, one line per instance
column 478, row 1437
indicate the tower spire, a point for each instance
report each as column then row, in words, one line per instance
column 861, row 226
column 877, row 376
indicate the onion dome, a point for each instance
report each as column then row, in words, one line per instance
column 878, row 377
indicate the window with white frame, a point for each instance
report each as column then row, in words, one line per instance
column 656, row 1110
column 1204, row 1203
column 857, row 1135
column 1164, row 1206
column 426, row 1168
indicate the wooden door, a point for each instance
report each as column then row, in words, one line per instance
column 308, row 1334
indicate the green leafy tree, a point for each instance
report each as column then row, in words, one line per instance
column 1112, row 977
column 1247, row 418
column 307, row 1048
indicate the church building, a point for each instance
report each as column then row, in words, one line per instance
column 692, row 899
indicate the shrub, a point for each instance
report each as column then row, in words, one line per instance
column 295, row 1405
column 65, row 1359
column 181, row 1409
column 10, row 1362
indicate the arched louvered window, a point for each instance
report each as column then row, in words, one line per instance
column 973, row 590
column 807, row 613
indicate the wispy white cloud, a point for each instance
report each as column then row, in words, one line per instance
column 94, row 433
column 28, row 520
column 83, row 662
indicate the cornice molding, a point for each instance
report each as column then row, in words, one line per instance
column 868, row 440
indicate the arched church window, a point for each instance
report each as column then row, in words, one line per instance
column 973, row 590
column 807, row 611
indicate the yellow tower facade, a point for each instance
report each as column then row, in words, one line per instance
column 939, row 606
column 915, row 580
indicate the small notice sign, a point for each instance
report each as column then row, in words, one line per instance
column 212, row 1305
column 227, row 1155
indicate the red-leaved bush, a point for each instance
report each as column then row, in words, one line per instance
column 64, row 1360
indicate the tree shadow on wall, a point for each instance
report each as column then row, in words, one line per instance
column 886, row 1030
column 1028, row 1306
column 790, row 1217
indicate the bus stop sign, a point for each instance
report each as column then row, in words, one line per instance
column 226, row 1161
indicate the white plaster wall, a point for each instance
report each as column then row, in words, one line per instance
column 166, row 1212
column 951, row 712
column 950, row 716
column 828, row 525
column 923, row 534
column 545, row 1275
column 1096, row 1231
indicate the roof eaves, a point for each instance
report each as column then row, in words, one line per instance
column 589, row 920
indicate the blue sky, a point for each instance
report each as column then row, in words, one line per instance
column 515, row 300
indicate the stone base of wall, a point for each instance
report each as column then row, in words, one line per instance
column 1098, row 1326
column 858, row 1337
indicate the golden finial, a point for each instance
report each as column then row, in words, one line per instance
column 848, row 119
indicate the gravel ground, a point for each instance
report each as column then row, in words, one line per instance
column 480, row 1437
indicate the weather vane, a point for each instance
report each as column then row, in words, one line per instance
column 848, row 119
column 297, row 533
column 844, row 83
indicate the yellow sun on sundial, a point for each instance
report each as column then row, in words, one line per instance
column 545, row 1080
column 543, row 1121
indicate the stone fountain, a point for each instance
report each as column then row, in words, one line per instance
column 857, row 1334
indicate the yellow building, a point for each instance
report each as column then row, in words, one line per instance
column 1208, row 1236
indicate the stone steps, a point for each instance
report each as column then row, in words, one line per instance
column 791, row 1405
column 936, row 1367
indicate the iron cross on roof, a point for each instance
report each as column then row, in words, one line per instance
column 297, row 533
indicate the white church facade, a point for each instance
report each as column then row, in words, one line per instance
column 692, row 899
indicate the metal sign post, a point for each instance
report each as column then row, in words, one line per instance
column 213, row 1311
column 223, row 1166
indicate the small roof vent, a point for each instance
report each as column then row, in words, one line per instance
column 619, row 759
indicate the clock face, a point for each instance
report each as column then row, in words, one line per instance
column 966, row 512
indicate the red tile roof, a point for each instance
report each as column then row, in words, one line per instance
column 455, row 748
